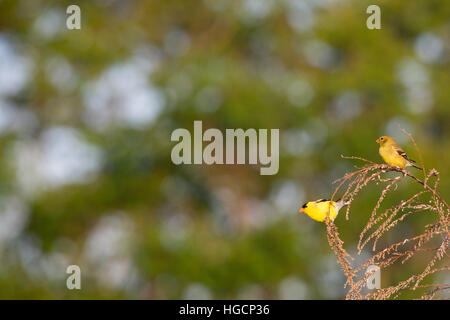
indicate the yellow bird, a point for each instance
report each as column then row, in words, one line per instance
column 320, row 209
column 393, row 155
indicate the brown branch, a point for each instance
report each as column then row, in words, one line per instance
column 353, row 183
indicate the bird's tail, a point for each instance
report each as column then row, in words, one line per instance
column 415, row 166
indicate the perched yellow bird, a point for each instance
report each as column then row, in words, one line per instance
column 393, row 155
column 320, row 209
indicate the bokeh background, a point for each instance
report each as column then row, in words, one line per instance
column 86, row 116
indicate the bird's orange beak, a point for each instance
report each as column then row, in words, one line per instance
column 301, row 210
column 378, row 140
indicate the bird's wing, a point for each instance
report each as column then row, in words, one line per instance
column 316, row 203
column 403, row 153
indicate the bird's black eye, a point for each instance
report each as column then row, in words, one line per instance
column 381, row 138
column 304, row 206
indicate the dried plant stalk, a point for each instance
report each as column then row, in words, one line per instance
column 426, row 201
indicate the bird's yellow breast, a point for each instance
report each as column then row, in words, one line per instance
column 391, row 157
column 319, row 210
